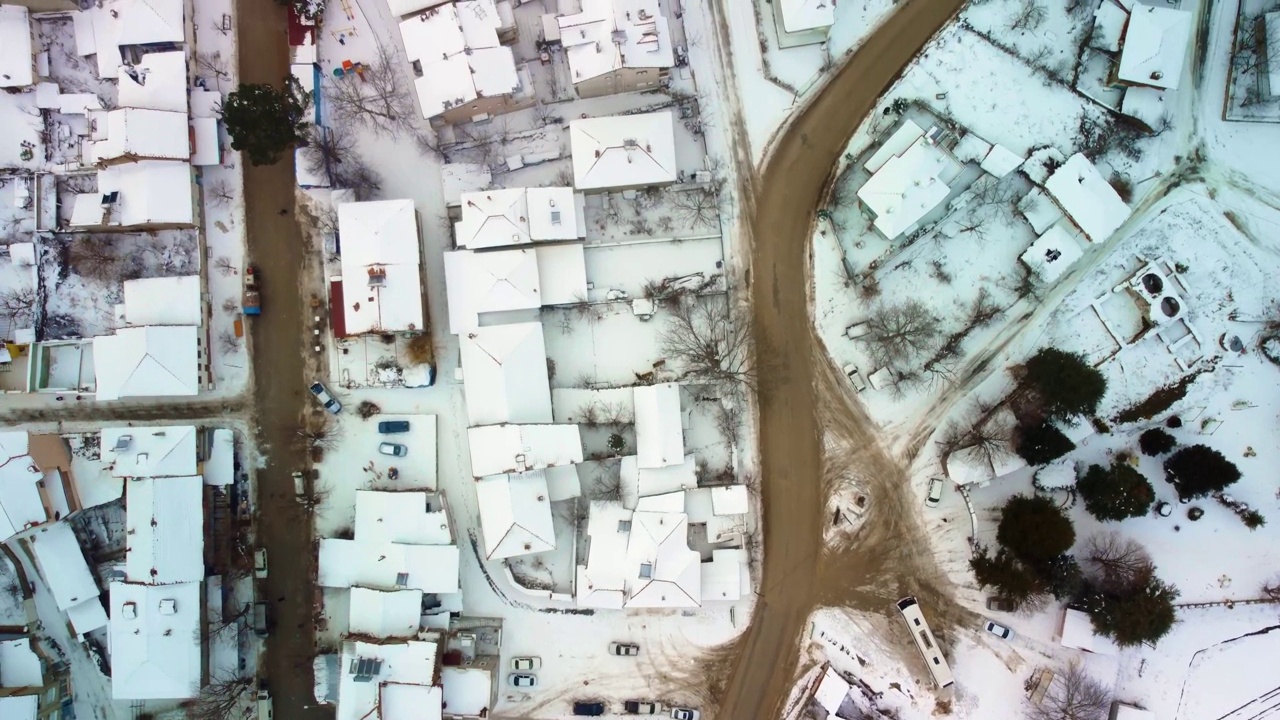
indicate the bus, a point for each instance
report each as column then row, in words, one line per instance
column 925, row 643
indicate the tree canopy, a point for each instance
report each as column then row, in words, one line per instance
column 1065, row 383
column 1143, row 614
column 1115, row 493
column 264, row 121
column 1155, row 442
column 308, row 9
column 1010, row 578
column 1199, row 470
column 1034, row 529
column 1042, row 444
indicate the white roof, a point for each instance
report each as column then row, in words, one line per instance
column 388, row 566
column 16, row 59
column 62, row 564
column 1077, row 633
column 1052, row 253
column 1271, row 25
column 219, row 469
column 14, row 443
column 1120, row 711
column 1087, row 199
column 971, row 148
column 659, row 548
column 515, row 514
column 1039, row 210
column 404, row 701
column 610, row 35
column 1155, row 46
column 1001, row 161
column 602, row 580
column 153, row 451
column 553, row 214
column 504, row 371
column 969, row 465
column 164, row 517
column 895, row 145
column 659, row 434
column 831, row 691
column 151, row 192
column 461, row 58
column 517, row 216
column 206, row 150
column 562, row 273
column 404, row 664
column 502, row 449
column 643, row 482
column 19, row 707
column 495, row 281
column 380, row 235
column 623, row 151
column 146, row 362
column 87, row 616
column 726, row 578
column 205, row 103
column 20, row 503
column 730, row 500
column 906, row 188
column 411, row 518
column 134, row 133
column 801, row 15
column 150, row 21
column 1145, row 104
column 384, row 614
column 158, row 81
column 155, row 641
column 563, row 483
column 19, row 664
column 163, row 301
column 467, row 691
column 1108, row 25
column 400, row 8
column 459, row 178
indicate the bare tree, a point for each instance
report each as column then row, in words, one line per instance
column 1116, row 561
column 1031, row 14
column 701, row 337
column 228, row 343
column 93, row 257
column 213, row 64
column 700, row 208
column 320, row 432
column 898, row 334
column 224, row 266
column 378, row 100
column 220, row 192
column 1271, row 588
column 428, row 145
column 18, row 305
column 220, row 699
column 1074, row 695
column 606, row 484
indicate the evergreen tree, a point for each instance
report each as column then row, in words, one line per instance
column 1199, row 470
column 1042, row 444
column 1143, row 614
column 1115, row 493
column 1034, row 529
column 1156, row 442
column 1010, row 578
column 1065, row 383
column 1063, row 576
column 264, row 121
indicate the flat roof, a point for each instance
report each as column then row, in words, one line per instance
column 832, row 690
column 219, row 469
column 602, row 578
column 502, row 449
column 1155, row 46
column 1052, row 254
column 384, row 614
column 388, row 566
column 727, row 578
column 62, row 563
column 19, row 707
column 461, row 58
column 906, row 188
column 460, row 178
column 562, row 273
column 643, row 482
column 410, row 517
column 381, row 266
column 468, row 691
column 610, row 35
column 515, row 514
column 206, row 149
column 504, row 371
column 21, row 505
column 155, row 641
column 554, row 213
column 1145, row 104
column 659, row 433
column 135, row 133
column 801, row 15
column 1089, row 200
column 404, row 7
column 17, row 62
column 19, row 664
column 158, row 81
column 165, row 521
column 1077, row 633
column 163, row 301
column 623, row 151
column 1001, row 161
column 150, row 451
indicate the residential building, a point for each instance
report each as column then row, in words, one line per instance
column 17, row 59
column 390, row 680
column 515, row 514
column 800, row 16
column 157, row 81
column 163, row 301
column 401, row 541
column 61, row 562
column 624, row 151
column 519, row 216
column 150, row 451
column 504, row 449
column 384, row 614
column 130, row 134
column 156, row 640
column 1052, row 254
column 400, row 8
column 152, row 361
column 504, row 368
column 165, row 524
column 910, row 176
column 1087, row 199
column 617, row 46
column 381, row 286
column 108, row 26
column 525, row 278
column 35, row 481
column 1154, row 48
column 1075, row 631
column 152, row 194
column 659, row 426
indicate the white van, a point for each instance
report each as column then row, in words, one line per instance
column 264, row 704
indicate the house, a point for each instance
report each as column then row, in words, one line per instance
column 388, row 566
column 164, row 518
column 390, row 681
column 526, row 278
column 17, row 60
column 638, row 482
column 400, row 8
column 1146, row 105
column 35, row 481
column 157, row 451
column 381, row 267
column 617, row 46
column 659, row 429
column 163, row 301
column 515, row 514
column 1154, row 49
column 384, row 614
column 1076, row 631
column 831, row 691
column 1087, row 199
column 1125, row 711
column 219, row 468
column 152, row 361
column 144, row 194
column 910, row 176
column 639, row 559
column 1052, row 254
column 1109, row 20
column 61, row 561
column 519, row 216
column 157, row 81
column 460, row 178
column 799, row 16
column 464, row 71
column 106, row 27
column 625, row 151
column 504, row 369
column 155, row 641
column 503, row 449
column 409, row 518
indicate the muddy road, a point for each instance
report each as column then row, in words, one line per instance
column 805, row 410
column 279, row 347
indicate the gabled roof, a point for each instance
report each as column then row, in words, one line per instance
column 494, row 218
column 381, row 271
column 149, row 192
column 504, row 370
column 388, row 566
column 494, row 281
column 611, row 35
column 1090, row 201
column 150, row 21
column 502, row 449
column 659, row 548
column 659, row 434
column 515, row 514
column 20, row 503
column 907, row 187
column 801, row 15
column 384, row 614
column 1155, row 46
column 158, row 81
column 461, row 58
column 61, row 561
column 623, row 151
column 155, row 641
column 150, row 451
column 165, row 521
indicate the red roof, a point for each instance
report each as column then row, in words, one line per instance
column 337, row 315
column 299, row 29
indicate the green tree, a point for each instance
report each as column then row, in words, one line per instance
column 1199, row 470
column 1155, row 442
column 1042, row 444
column 1034, row 529
column 1063, row 577
column 264, row 121
column 1143, row 614
column 1115, row 493
column 1066, row 385
column 1010, row 578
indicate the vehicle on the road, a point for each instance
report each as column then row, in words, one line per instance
column 251, row 302
column 855, row 377
column 393, row 449
column 391, row 427
column 935, row 492
column 923, row 636
column 996, row 603
column 261, row 620
column 264, row 702
column 521, row 680
column 260, row 563
column 641, row 707
column 998, row 630
column 299, row 486
column 685, row 714
column 526, row 663
column 624, row 649
column 590, row 708
column 329, row 402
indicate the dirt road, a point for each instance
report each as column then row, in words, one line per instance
column 279, row 382
column 801, row 399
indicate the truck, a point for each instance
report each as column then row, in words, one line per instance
column 264, row 702
column 252, row 301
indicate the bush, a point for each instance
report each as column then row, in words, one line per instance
column 1199, row 470
column 1009, row 577
column 1115, row 493
column 1065, row 383
column 1042, row 444
column 1141, row 615
column 1034, row 530
column 1156, row 442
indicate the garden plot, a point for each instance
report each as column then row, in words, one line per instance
column 602, row 345
column 1248, row 95
column 652, row 268
column 1048, row 36
column 678, row 211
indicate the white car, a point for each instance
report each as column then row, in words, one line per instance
column 935, row 492
column 260, row 563
column 685, row 714
column 329, row 402
column 526, row 663
column 520, row 680
column 998, row 630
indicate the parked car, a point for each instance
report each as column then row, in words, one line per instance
column 641, row 707
column 393, row 449
column 299, row 486
column 526, row 663
column 261, row 620
column 264, row 703
column 260, row 563
column 998, row 630
column 391, row 427
column 935, row 492
column 995, row 603
column 329, row 402
column 855, row 377
column 521, row 680
column 685, row 714
column 591, row 708
column 625, row 649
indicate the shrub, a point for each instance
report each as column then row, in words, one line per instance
column 1199, row 470
column 1042, row 444
column 1156, row 442
column 1141, row 615
column 1034, row 530
column 1065, row 383
column 1115, row 493
column 1009, row 577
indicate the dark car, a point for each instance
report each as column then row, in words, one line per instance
column 641, row 707
column 999, row 604
column 391, row 427
column 590, row 708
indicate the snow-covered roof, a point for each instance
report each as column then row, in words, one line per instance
column 155, row 641
column 403, row 701
column 610, row 35
column 400, row 8
column 136, row 133
column 1108, row 25
column 163, row 301
column 21, row 506
column 19, row 707
column 205, row 103
column 381, row 271
column 801, row 15
column 62, row 564
column 504, row 371
column 517, row 216
column 1090, row 202
column 164, row 517
column 154, row 451
column 554, row 213
column 461, row 58
column 14, row 443
column 1121, row 711
column 642, row 482
column 563, row 483
column 1155, row 46
column 460, row 178
column 623, row 151
column 515, row 514
column 16, row 60
column 468, row 691
column 1039, row 210
column 562, row 273
column 146, row 362
column 1271, row 26
column 220, row 468
column 1077, row 633
column 19, row 664
column 150, row 192
column 382, row 614
column 206, row 150
column 602, row 579
column 144, row 22
column 158, row 81
column 411, row 518
column 1052, row 253
column 494, row 281
column 502, row 449
column 727, row 577
column 730, row 500
column 388, row 566
column 969, row 465
column 832, row 690
column 971, row 148
column 895, row 145
column 87, row 616
column 907, row 187
column 666, row 571
column 659, row 433
column 391, row 665
column 1145, row 104
column 1001, row 161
